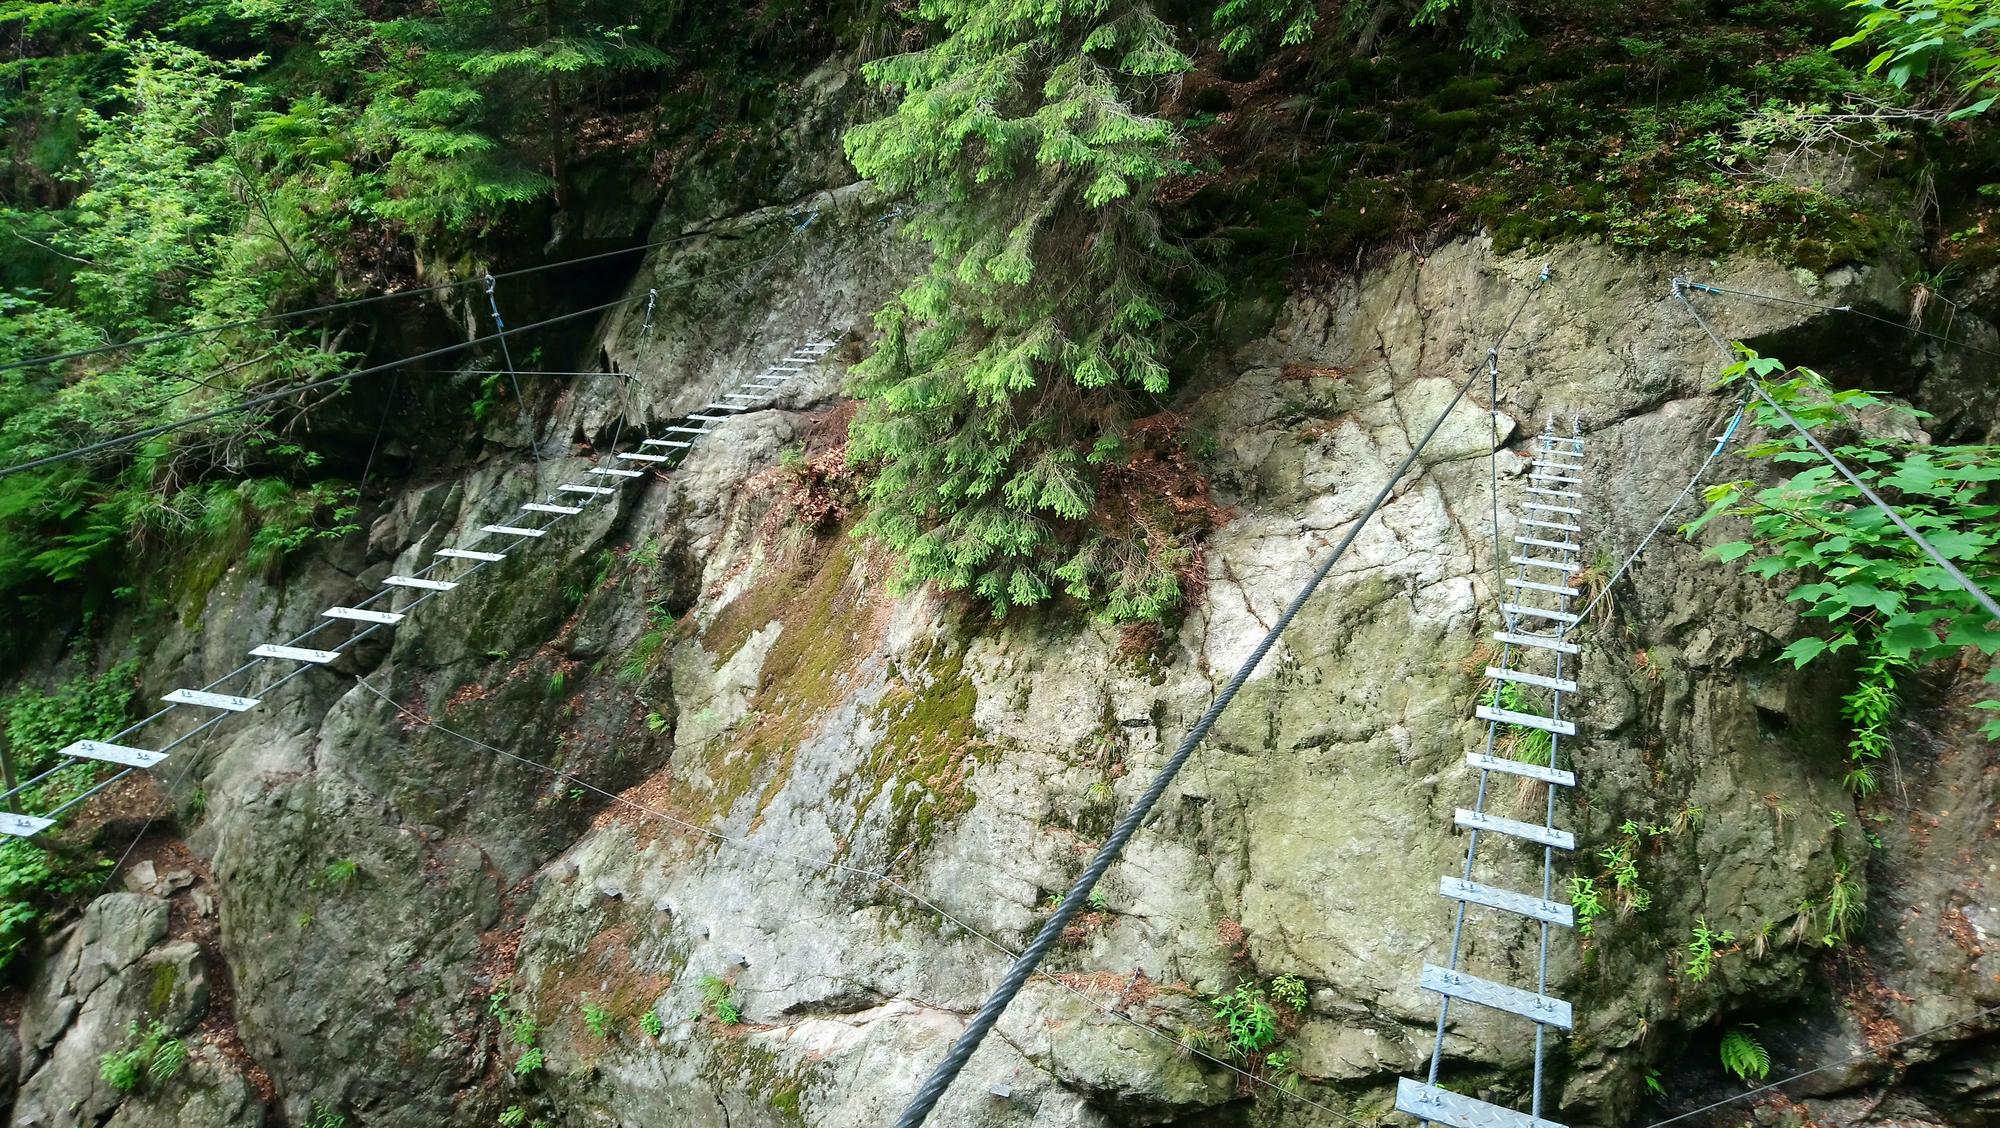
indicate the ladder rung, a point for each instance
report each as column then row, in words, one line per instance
column 645, row 457
column 363, row 615
column 23, row 826
column 693, row 430
column 1538, row 562
column 1543, row 642
column 1541, row 507
column 420, row 582
column 1560, row 685
column 594, row 491
column 541, row 507
column 1506, row 900
column 1483, row 762
column 227, row 701
column 471, row 554
column 1532, row 585
column 1545, row 463
column 295, row 653
column 1544, row 1009
column 1525, row 720
column 513, row 531
column 713, row 418
column 1560, row 546
column 1442, row 1106
column 114, row 753
column 1531, row 832
column 1538, row 612
column 1570, row 494
column 1555, row 478
column 1559, row 526
column 615, row 472
column 665, row 443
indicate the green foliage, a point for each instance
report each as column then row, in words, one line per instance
column 1528, row 745
column 720, row 1000
column 341, row 873
column 324, row 1116
column 1247, row 1015
column 1951, row 44
column 652, row 1024
column 1868, row 583
column 85, row 708
column 1291, row 991
column 528, row 1062
column 513, row 1117
column 999, row 395
column 1242, row 23
column 154, row 1057
column 1586, row 903
column 1704, row 947
column 597, row 1019
column 1744, row 1056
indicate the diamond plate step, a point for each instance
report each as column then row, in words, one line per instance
column 1533, row 585
column 1540, row 642
column 693, row 430
column 1441, row 1106
column 23, row 826
column 578, row 487
column 545, row 507
column 1560, row 685
column 1531, row 832
column 1545, row 1009
column 295, row 653
column 1560, row 526
column 666, row 443
column 1538, row 562
column 363, row 615
column 1543, row 507
column 1507, row 901
column 113, row 753
column 1485, row 763
column 646, row 457
column 1555, row 478
column 470, row 554
column 420, row 583
column 1570, row 494
column 228, row 702
column 615, row 472
column 1525, row 720
column 1559, row 546
column 513, row 530
column 1538, row 613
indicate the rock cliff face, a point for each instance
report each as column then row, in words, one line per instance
column 694, row 759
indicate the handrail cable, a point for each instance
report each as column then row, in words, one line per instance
column 1680, row 287
column 962, row 1047
column 808, row 860
column 1726, row 291
column 258, row 401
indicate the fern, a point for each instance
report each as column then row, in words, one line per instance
column 1744, row 1056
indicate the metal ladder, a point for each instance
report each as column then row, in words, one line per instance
column 1532, row 668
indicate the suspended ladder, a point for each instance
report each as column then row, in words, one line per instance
column 1525, row 691
column 567, row 500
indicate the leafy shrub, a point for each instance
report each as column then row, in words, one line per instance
column 1291, row 991
column 652, row 1024
column 1247, row 1016
column 1743, row 1055
column 719, row 997
column 597, row 1019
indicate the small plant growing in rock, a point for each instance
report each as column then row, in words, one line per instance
column 652, row 1024
column 323, row 1116
column 655, row 723
column 717, row 996
column 1248, row 1017
column 1704, row 948
column 597, row 1019
column 1744, row 1055
column 1097, row 901
column 1586, row 903
column 528, row 1062
column 1291, row 991
column 158, row 1057
column 339, row 874
column 514, row 1117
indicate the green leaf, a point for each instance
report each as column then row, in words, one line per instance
column 1804, row 650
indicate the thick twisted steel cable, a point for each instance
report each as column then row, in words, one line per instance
column 982, row 1023
column 1726, row 291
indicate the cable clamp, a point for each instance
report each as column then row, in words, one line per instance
column 1545, row 273
column 490, row 283
column 652, row 298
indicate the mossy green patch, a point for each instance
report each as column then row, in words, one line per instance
column 929, row 746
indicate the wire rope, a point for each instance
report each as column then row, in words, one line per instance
column 962, row 1047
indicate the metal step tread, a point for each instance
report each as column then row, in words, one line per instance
column 1555, row 478
column 1525, row 720
column 692, row 430
column 1507, row 900
column 1559, row 526
column 645, row 457
column 1542, row 642
column 1560, row 685
column 1480, row 761
column 1534, row 585
column 545, row 507
column 513, row 530
column 1571, row 494
column 578, row 487
column 1442, row 1106
column 1539, row 612
column 363, row 615
column 420, row 583
column 227, row 701
column 666, row 443
column 1527, row 831
column 113, row 753
column 471, row 554
column 1544, row 1009
column 294, row 653
column 1559, row 546
column 23, row 826
column 1558, row 565
column 1544, row 507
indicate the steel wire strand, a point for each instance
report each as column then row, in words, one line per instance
column 1757, row 388
column 812, row 862
column 1725, row 291
column 962, row 1048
